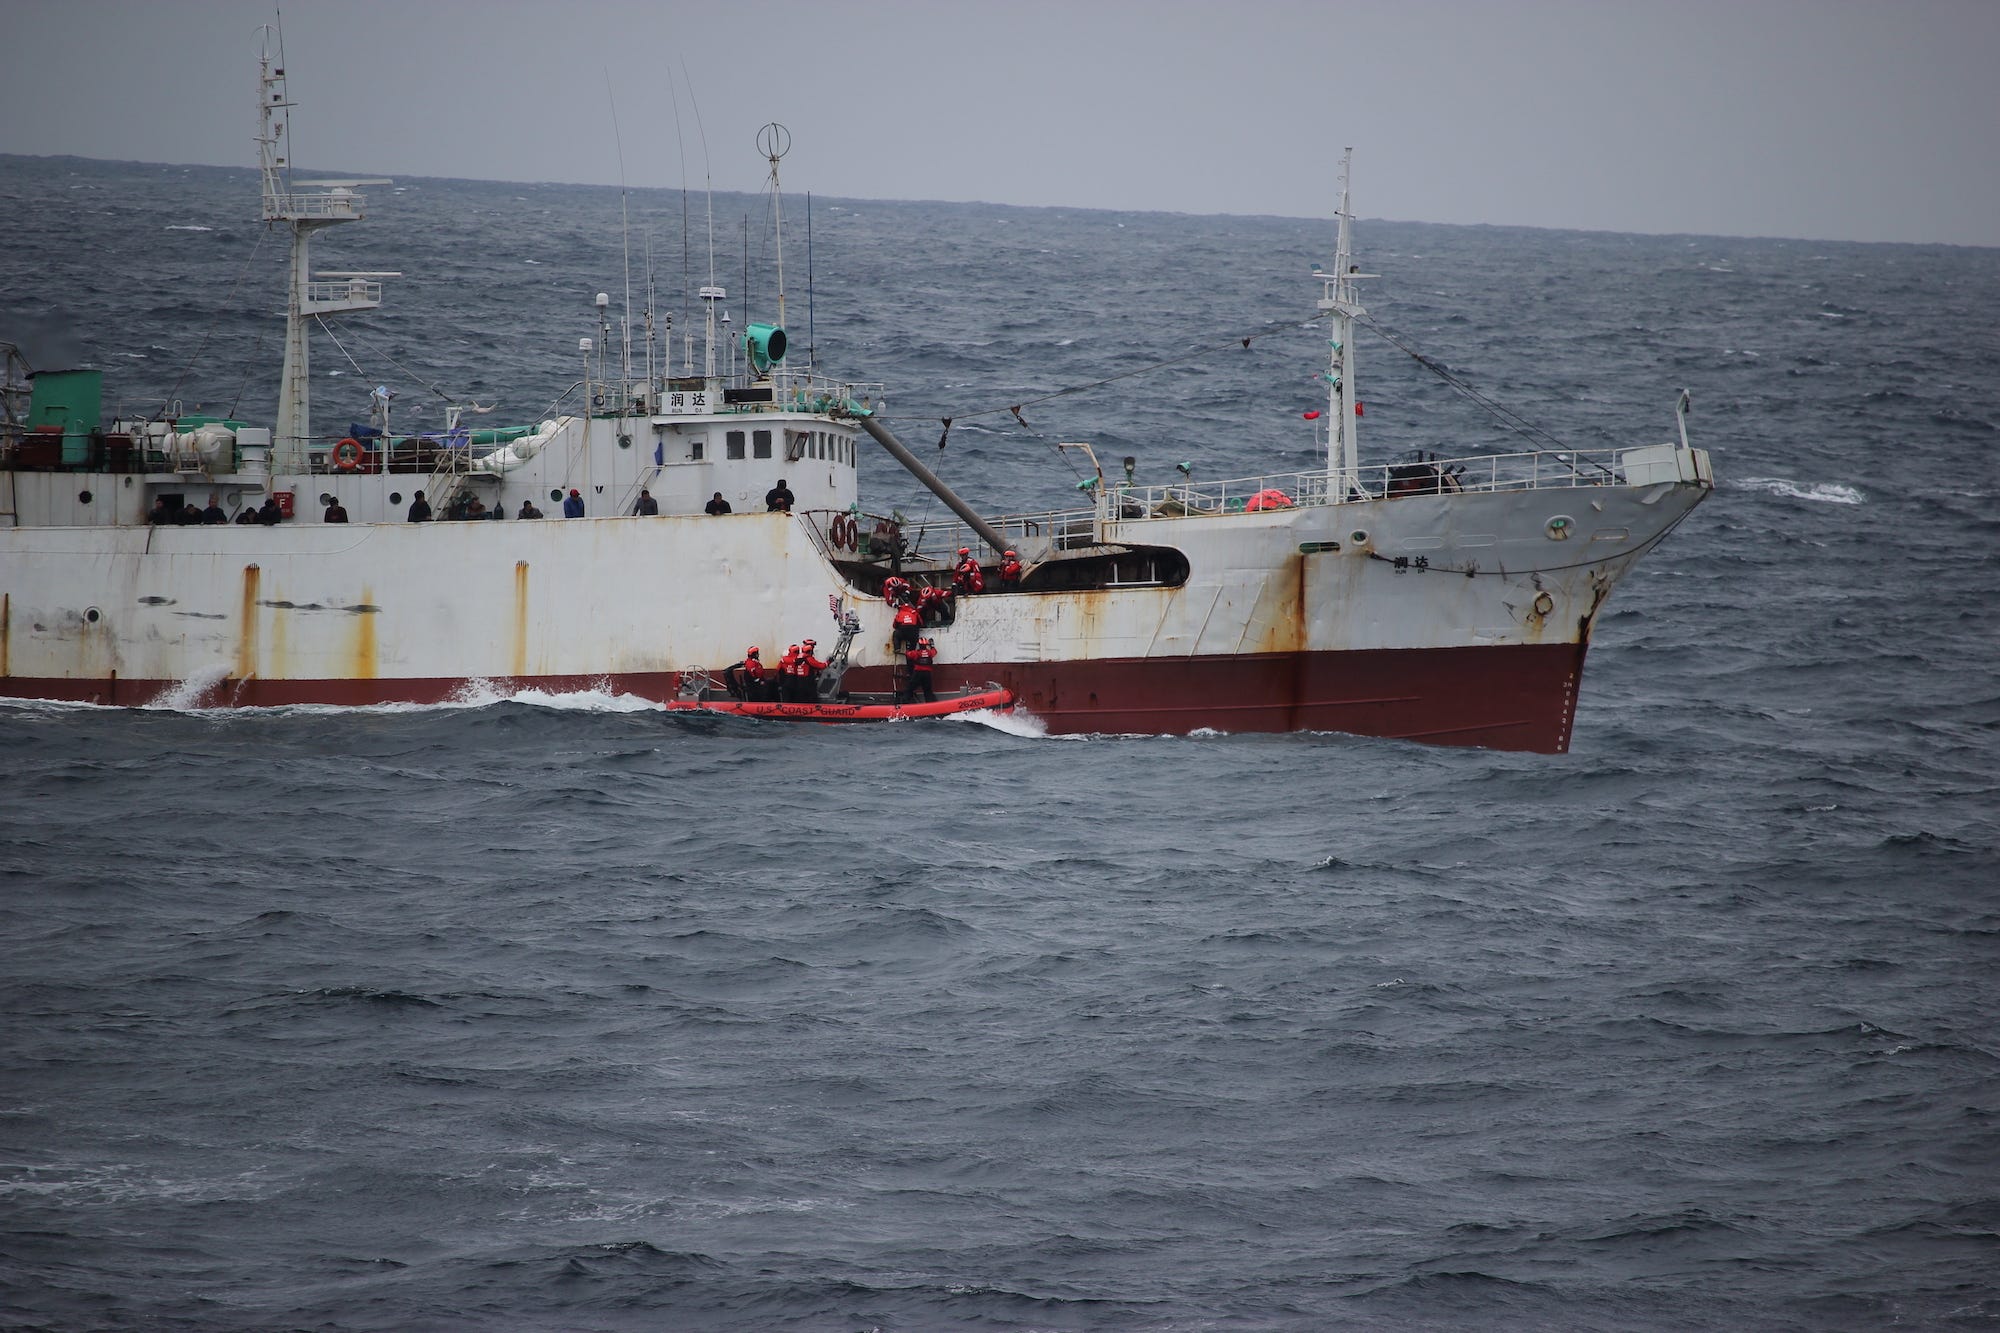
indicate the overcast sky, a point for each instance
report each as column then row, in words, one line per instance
column 1829, row 119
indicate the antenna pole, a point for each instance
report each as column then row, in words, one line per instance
column 774, row 140
column 812, row 347
column 1338, row 300
column 303, row 213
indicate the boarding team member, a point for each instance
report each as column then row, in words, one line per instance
column 920, row 658
column 967, row 578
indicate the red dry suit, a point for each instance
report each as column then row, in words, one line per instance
column 968, row 578
column 921, row 658
column 908, row 621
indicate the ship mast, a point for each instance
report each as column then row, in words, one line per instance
column 776, row 141
column 305, row 213
column 1338, row 300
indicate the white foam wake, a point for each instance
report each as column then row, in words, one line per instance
column 1822, row 492
column 186, row 696
column 1025, row 725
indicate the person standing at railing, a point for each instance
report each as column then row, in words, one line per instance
column 573, row 504
column 647, row 505
column 420, row 509
column 779, row 499
column 1010, row 572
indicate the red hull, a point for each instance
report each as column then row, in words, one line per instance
column 1520, row 697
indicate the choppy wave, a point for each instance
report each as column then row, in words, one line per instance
column 1823, row 492
column 543, row 1010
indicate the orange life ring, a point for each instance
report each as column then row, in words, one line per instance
column 347, row 455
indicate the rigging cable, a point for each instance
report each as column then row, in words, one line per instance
column 435, row 388
column 1239, row 340
column 228, row 303
column 1507, row 416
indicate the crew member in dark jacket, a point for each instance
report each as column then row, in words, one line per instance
column 718, row 505
column 335, row 512
column 779, row 498
column 420, row 509
column 647, row 505
column 573, row 504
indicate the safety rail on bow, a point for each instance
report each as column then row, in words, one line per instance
column 1124, row 504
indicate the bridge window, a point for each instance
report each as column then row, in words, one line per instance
column 760, row 444
column 697, row 448
column 733, row 444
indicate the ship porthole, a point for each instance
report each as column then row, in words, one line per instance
column 1559, row 527
column 1544, row 604
column 93, row 615
column 84, row 497
column 1359, row 536
column 395, row 497
column 555, row 497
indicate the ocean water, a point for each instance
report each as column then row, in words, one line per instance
column 557, row 1012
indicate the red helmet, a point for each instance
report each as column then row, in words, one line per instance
column 794, row 648
column 809, row 643
column 750, row 652
column 926, row 643
column 965, row 550
column 1010, row 555
column 573, row 491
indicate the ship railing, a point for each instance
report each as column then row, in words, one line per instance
column 1429, row 475
column 279, row 207
column 938, row 541
column 1534, row 470
column 801, row 392
column 1125, row 503
column 331, row 291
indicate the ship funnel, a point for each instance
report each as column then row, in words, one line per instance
column 764, row 344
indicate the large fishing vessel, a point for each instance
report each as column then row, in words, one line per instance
column 1447, row 600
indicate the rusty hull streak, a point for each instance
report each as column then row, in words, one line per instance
column 520, row 619
column 1280, row 611
column 362, row 659
column 246, row 638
